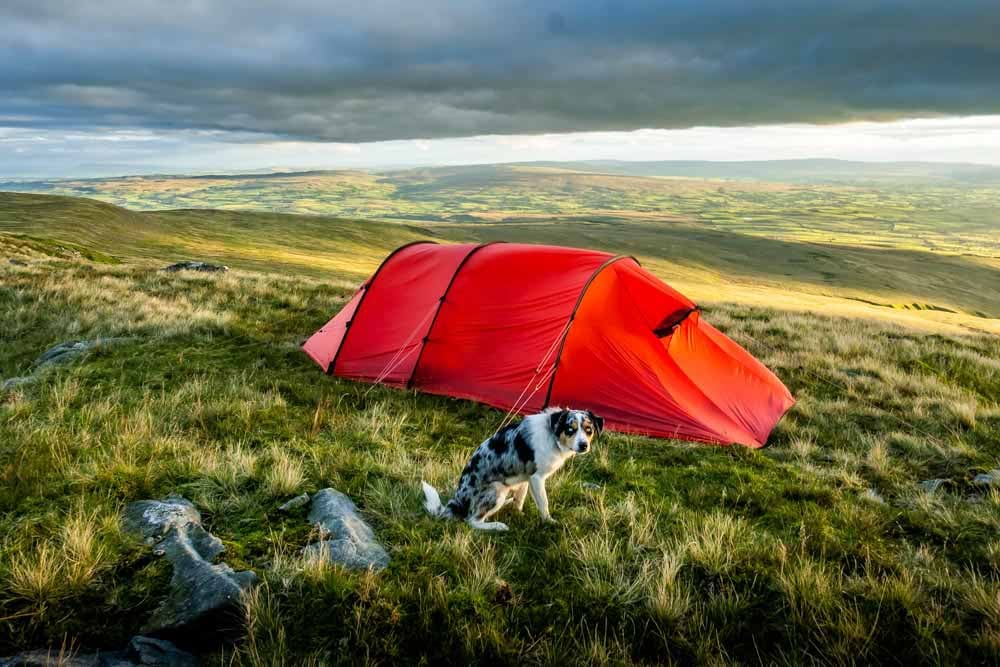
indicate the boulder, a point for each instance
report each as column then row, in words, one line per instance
column 141, row 651
column 345, row 538
column 204, row 267
column 199, row 589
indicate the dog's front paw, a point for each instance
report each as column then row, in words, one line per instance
column 549, row 520
column 500, row 525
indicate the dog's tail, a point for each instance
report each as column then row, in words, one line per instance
column 432, row 501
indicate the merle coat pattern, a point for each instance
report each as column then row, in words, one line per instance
column 514, row 461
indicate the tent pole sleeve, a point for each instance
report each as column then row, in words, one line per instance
column 367, row 286
column 430, row 329
column 572, row 316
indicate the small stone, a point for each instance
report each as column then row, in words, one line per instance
column 10, row 384
column 18, row 262
column 346, row 538
column 294, row 503
column 932, row 485
column 987, row 478
column 872, row 495
column 70, row 350
column 204, row 267
column 590, row 486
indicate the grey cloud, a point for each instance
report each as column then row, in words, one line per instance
column 390, row 69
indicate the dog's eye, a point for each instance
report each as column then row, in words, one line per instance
column 587, row 431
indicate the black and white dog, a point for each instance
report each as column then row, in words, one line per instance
column 517, row 458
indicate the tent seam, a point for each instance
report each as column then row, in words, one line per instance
column 444, row 295
column 331, row 370
column 572, row 316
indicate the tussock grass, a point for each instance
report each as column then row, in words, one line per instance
column 685, row 553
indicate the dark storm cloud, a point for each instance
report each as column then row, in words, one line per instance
column 375, row 70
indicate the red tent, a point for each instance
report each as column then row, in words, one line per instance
column 523, row 327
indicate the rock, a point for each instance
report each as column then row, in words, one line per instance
column 294, row 503
column 141, row 651
column 70, row 350
column 10, row 384
column 17, row 262
column 158, row 652
column 199, row 589
column 196, row 266
column 59, row 354
column 154, row 519
column 872, row 495
column 590, row 486
column 990, row 478
column 345, row 537
column 932, row 485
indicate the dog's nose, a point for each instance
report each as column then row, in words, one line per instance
column 583, row 447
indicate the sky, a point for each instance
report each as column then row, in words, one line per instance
column 114, row 87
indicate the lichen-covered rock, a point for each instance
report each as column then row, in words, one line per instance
column 141, row 652
column 196, row 266
column 198, row 588
column 346, row 538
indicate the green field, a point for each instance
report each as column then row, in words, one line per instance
column 947, row 209
column 822, row 548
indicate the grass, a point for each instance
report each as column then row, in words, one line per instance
column 820, row 548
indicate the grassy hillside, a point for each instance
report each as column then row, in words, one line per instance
column 938, row 291
column 902, row 206
column 820, row 548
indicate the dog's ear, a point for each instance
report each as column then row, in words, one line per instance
column 598, row 422
column 556, row 421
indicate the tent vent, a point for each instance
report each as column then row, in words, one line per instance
column 672, row 321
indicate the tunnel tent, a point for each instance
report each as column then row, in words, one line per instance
column 522, row 327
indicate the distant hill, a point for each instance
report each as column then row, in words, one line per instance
column 801, row 171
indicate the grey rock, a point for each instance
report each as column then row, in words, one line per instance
column 70, row 350
column 10, row 384
column 18, row 262
column 987, row 478
column 932, row 485
column 59, row 354
column 196, row 266
column 198, row 588
column 141, row 651
column 590, row 486
column 873, row 496
column 158, row 653
column 154, row 519
column 296, row 502
column 345, row 537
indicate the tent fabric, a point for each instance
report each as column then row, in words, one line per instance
column 528, row 326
